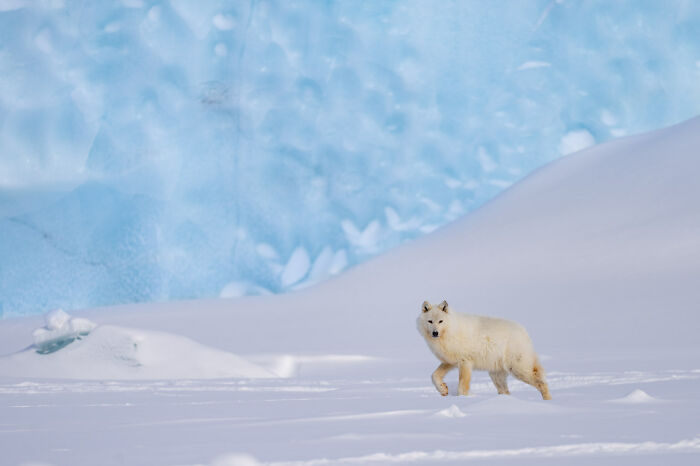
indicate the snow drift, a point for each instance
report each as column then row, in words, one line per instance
column 117, row 353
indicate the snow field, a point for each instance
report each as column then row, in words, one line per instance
column 332, row 419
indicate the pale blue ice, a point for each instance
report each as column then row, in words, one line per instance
column 167, row 150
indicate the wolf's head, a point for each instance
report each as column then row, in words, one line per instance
column 432, row 320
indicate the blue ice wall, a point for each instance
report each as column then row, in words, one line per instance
column 167, row 150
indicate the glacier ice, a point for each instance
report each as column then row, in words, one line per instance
column 155, row 150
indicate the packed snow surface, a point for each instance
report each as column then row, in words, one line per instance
column 155, row 150
column 599, row 261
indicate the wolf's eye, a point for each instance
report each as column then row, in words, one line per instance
column 440, row 322
column 430, row 321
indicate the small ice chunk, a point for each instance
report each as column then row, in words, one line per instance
column 220, row 50
column 608, row 118
column 528, row 65
column 47, row 341
column 112, row 27
column 452, row 183
column 10, row 5
column 365, row 240
column 238, row 289
column 234, row 290
column 266, row 251
column 574, row 141
column 340, row 261
column 486, row 161
column 223, row 22
column 499, row 183
column 296, row 268
column 395, row 223
column 41, row 335
column 322, row 265
column 154, row 14
column 133, row 3
column 455, row 209
column 618, row 132
column 452, row 411
column 43, row 41
column 60, row 331
column 56, row 319
column 81, row 326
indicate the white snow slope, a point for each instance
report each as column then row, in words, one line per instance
column 597, row 254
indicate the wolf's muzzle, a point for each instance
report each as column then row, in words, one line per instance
column 435, row 334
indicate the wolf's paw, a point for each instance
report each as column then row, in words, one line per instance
column 442, row 388
column 463, row 392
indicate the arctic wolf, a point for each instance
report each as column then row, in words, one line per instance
column 481, row 343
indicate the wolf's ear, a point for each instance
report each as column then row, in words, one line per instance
column 443, row 306
column 426, row 306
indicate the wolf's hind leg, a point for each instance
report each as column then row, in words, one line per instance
column 438, row 375
column 499, row 379
column 540, row 382
column 534, row 377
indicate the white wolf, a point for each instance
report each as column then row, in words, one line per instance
column 481, row 343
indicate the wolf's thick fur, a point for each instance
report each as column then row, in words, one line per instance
column 480, row 343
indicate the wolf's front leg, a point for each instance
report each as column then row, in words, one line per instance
column 465, row 377
column 438, row 375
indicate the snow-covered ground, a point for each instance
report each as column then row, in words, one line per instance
column 597, row 254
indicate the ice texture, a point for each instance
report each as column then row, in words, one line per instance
column 168, row 150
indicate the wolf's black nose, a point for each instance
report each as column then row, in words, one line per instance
column 435, row 334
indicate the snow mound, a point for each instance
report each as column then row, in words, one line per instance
column 453, row 411
column 61, row 330
column 636, row 397
column 111, row 352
